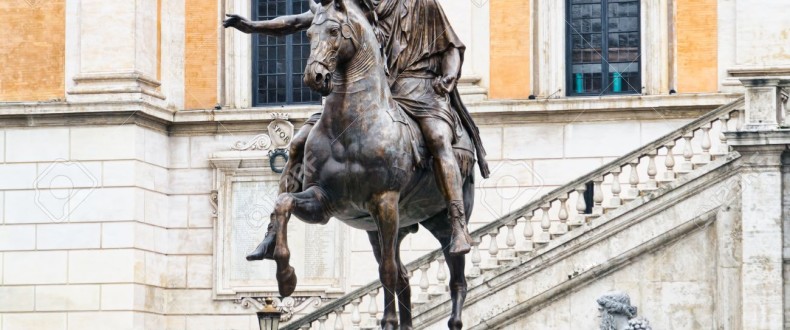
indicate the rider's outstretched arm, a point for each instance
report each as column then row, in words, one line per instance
column 278, row 26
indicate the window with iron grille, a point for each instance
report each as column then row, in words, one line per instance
column 603, row 45
column 278, row 62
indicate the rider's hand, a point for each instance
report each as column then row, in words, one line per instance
column 240, row 23
column 444, row 85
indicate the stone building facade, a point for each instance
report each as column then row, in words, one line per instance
column 134, row 162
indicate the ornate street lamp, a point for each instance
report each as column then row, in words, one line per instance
column 269, row 316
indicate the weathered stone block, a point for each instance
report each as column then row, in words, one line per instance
column 18, row 176
column 27, row 321
column 17, row 237
column 600, row 139
column 105, row 142
column 105, row 266
column 562, row 171
column 179, row 152
column 532, row 141
column 200, row 270
column 178, row 213
column 108, row 204
column 36, row 144
column 68, row 236
column 35, row 267
column 102, row 320
column 68, row 175
column 67, row 298
column 16, row 299
column 190, row 241
column 200, row 212
column 492, row 141
column 190, row 181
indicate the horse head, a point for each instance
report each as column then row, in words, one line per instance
column 339, row 31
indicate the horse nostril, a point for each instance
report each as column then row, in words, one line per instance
column 328, row 77
column 318, row 77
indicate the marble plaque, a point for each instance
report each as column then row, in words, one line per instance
column 315, row 249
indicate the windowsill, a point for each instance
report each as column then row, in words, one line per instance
column 619, row 102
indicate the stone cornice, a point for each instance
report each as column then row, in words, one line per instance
column 490, row 112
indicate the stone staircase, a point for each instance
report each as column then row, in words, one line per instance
column 562, row 241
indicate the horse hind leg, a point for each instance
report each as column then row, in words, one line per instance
column 440, row 228
column 403, row 286
column 307, row 206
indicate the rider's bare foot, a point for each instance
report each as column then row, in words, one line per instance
column 461, row 241
column 265, row 250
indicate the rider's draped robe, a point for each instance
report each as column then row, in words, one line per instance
column 416, row 34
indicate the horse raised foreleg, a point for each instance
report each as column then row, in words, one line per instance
column 305, row 205
column 384, row 209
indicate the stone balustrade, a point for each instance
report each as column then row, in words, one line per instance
column 541, row 224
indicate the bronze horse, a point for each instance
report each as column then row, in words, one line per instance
column 366, row 166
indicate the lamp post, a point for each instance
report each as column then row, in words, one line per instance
column 269, row 316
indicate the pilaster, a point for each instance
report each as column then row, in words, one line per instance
column 118, row 51
column 762, row 285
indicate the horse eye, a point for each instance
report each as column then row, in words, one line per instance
column 333, row 32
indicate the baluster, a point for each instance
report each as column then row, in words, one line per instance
column 339, row 318
column 373, row 310
column 356, row 318
column 688, row 152
column 423, row 297
column 669, row 163
column 321, row 321
column 615, row 201
column 581, row 206
column 597, row 210
column 704, row 158
column 475, row 258
column 441, row 278
column 632, row 192
column 651, row 183
column 509, row 253
column 527, row 247
column 544, row 237
column 562, row 226
column 493, row 249
column 306, row 326
column 724, row 149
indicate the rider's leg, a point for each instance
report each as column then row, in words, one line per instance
column 438, row 137
column 292, row 177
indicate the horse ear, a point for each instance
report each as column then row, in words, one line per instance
column 313, row 6
column 340, row 5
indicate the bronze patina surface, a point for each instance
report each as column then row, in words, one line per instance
column 394, row 146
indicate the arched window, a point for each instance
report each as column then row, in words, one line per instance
column 603, row 47
column 278, row 62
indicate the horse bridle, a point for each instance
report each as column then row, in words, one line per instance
column 320, row 19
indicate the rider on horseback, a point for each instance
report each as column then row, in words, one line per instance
column 424, row 58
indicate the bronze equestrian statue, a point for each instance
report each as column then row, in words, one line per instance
column 364, row 162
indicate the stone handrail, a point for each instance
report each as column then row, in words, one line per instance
column 549, row 217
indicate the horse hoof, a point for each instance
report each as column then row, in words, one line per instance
column 455, row 324
column 265, row 250
column 286, row 281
